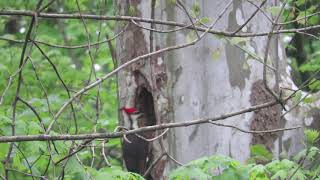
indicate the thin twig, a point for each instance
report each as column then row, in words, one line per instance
column 27, row 174
column 74, row 152
column 46, row 5
column 249, row 19
column 263, row 12
column 255, row 132
column 14, row 104
column 152, row 139
column 298, row 19
column 42, row 86
column 89, row 43
column 25, row 159
column 63, row 84
column 67, row 46
column 11, row 78
column 104, row 154
column 251, row 54
column 265, row 59
column 181, row 5
column 296, row 105
column 153, row 164
column 160, row 31
column 174, row 160
column 34, row 111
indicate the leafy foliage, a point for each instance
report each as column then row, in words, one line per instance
column 303, row 49
column 304, row 165
column 41, row 88
column 215, row 167
column 260, row 154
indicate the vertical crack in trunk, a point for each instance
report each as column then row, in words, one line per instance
column 138, row 154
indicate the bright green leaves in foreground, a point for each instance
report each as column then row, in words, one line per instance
column 305, row 165
column 222, row 167
column 112, row 173
column 215, row 167
column 116, row 173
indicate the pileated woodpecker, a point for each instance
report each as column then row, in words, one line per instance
column 135, row 153
column 134, row 116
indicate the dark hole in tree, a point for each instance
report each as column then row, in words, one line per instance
column 137, row 154
column 144, row 103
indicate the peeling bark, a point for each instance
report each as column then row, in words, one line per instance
column 268, row 118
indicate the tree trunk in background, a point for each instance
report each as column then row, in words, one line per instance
column 208, row 79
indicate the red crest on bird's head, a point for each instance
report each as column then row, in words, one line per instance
column 131, row 110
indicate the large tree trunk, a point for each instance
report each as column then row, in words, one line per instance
column 208, row 79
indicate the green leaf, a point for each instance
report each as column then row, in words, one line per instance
column 274, row 10
column 296, row 99
column 195, row 9
column 311, row 135
column 117, row 174
column 315, row 86
column 3, row 150
column 205, row 20
column 21, row 127
column 189, row 173
column 281, row 174
column 17, row 162
column 191, row 36
column 132, row 10
column 299, row 156
column 300, row 2
column 217, row 167
column 259, row 172
column 75, row 169
column 309, row 100
column 172, row 2
column 313, row 153
column 237, row 40
column 260, row 154
column 216, row 54
column 245, row 66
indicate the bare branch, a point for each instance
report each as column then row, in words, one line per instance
column 153, row 139
column 45, row 137
column 153, row 164
column 104, row 154
column 263, row 12
column 249, row 19
column 17, row 93
column 255, row 132
column 27, row 174
column 265, row 59
column 146, row 20
column 34, row 111
column 74, row 152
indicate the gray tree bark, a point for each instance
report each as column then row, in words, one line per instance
column 209, row 79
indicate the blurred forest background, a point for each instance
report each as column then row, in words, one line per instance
column 44, row 89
